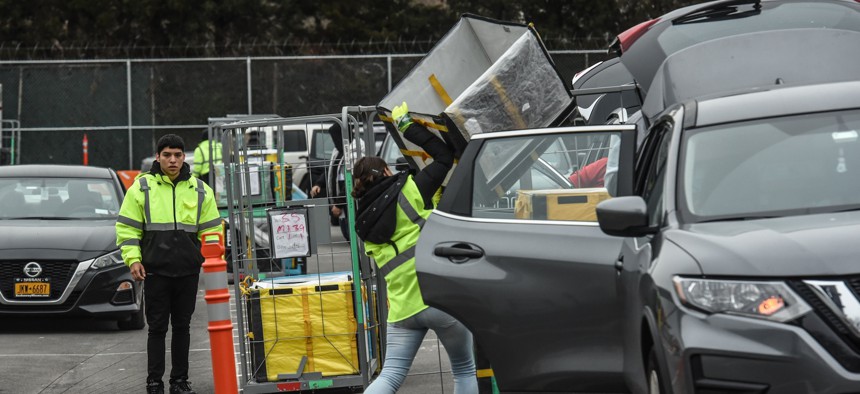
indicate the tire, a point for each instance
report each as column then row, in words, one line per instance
column 656, row 385
column 136, row 321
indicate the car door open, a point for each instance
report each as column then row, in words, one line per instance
column 515, row 253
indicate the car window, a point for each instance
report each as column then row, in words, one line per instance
column 390, row 153
column 322, row 145
column 655, row 177
column 558, row 176
column 773, row 167
column 295, row 141
column 58, row 198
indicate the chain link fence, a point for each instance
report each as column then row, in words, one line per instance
column 123, row 106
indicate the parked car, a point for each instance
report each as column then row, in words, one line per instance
column 737, row 272
column 643, row 48
column 58, row 253
column 322, row 146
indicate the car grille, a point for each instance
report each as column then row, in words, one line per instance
column 60, row 273
column 841, row 342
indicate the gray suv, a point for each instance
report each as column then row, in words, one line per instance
column 731, row 265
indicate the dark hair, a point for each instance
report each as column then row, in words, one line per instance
column 170, row 141
column 205, row 135
column 367, row 171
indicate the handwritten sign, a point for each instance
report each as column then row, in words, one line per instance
column 288, row 232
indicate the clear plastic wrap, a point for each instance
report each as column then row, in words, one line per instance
column 483, row 76
column 520, row 90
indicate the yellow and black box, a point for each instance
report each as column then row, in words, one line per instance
column 560, row 204
column 311, row 320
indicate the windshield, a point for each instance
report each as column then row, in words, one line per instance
column 772, row 167
column 58, row 198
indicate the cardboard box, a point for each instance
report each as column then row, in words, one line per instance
column 560, row 204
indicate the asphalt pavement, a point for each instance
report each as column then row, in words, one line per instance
column 50, row 355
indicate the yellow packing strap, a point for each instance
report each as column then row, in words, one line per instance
column 245, row 284
column 512, row 111
column 415, row 153
column 309, row 334
column 437, row 86
column 425, row 123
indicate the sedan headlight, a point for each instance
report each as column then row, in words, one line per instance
column 764, row 300
column 108, row 260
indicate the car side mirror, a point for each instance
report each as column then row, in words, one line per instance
column 624, row 217
column 401, row 164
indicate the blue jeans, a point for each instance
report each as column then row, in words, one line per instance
column 403, row 340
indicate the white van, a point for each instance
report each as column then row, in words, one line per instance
column 307, row 147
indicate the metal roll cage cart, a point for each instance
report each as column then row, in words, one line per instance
column 10, row 141
column 313, row 331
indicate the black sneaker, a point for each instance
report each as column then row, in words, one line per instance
column 180, row 386
column 155, row 388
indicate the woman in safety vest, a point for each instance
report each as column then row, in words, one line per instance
column 391, row 211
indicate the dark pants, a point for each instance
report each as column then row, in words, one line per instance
column 344, row 228
column 169, row 300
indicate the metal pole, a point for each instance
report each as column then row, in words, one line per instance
column 248, row 76
column 353, row 245
column 212, row 177
column 128, row 98
column 235, row 248
column 388, row 58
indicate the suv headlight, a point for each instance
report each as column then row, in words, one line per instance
column 764, row 300
column 109, row 260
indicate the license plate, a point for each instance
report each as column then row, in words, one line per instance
column 32, row 289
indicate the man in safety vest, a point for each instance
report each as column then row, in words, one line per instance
column 159, row 230
column 202, row 156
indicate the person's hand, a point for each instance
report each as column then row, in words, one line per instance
column 137, row 271
column 315, row 190
column 335, row 211
column 401, row 117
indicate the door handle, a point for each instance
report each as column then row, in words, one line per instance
column 458, row 252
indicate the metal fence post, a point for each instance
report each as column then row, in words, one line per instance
column 248, row 68
column 128, row 98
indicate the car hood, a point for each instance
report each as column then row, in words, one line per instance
column 56, row 239
column 809, row 245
